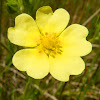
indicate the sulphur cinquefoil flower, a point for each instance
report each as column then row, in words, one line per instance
column 51, row 47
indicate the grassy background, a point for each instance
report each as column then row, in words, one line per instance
column 16, row 85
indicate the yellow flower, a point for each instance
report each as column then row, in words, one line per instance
column 51, row 47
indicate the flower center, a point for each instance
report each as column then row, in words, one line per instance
column 50, row 44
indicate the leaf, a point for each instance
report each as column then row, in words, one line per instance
column 12, row 6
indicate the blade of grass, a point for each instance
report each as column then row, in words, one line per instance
column 85, row 86
column 91, row 17
column 6, row 68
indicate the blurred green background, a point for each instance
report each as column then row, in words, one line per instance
column 16, row 85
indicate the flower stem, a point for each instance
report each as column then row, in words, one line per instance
column 62, row 90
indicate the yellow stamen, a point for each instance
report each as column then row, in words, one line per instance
column 50, row 44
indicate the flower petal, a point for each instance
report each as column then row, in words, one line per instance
column 74, row 39
column 43, row 14
column 61, row 67
column 25, row 32
column 50, row 22
column 35, row 64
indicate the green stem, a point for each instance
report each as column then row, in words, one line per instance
column 27, row 86
column 6, row 68
column 0, row 16
column 62, row 90
column 5, row 47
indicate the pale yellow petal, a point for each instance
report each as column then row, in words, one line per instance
column 25, row 33
column 35, row 64
column 52, row 23
column 58, row 21
column 62, row 66
column 74, row 40
column 43, row 14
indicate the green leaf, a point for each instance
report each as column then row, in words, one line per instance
column 12, row 6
